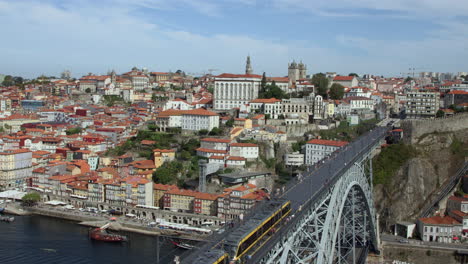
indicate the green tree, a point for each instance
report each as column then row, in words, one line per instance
column 440, row 113
column 263, row 83
column 8, row 81
column 297, row 146
column 216, row 131
column 7, row 126
column 185, row 155
column 320, row 81
column 18, row 80
column 336, row 91
column 273, row 91
column 163, row 175
column 88, row 90
column 152, row 127
column 190, row 146
column 230, row 123
column 408, row 79
column 203, row 132
column 30, row 199
column 353, row 74
column 167, row 172
column 72, row 131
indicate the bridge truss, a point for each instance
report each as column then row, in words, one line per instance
column 337, row 228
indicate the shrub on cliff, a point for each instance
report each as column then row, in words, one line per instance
column 386, row 164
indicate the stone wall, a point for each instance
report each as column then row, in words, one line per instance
column 414, row 129
column 417, row 255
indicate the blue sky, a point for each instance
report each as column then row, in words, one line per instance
column 384, row 37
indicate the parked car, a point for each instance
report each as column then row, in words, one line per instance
column 404, row 241
column 115, row 212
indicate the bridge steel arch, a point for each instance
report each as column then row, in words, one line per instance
column 332, row 228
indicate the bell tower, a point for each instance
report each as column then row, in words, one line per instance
column 248, row 66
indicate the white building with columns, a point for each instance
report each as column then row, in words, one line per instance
column 235, row 90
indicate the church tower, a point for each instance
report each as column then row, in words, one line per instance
column 113, row 77
column 248, row 66
column 302, row 70
column 293, row 72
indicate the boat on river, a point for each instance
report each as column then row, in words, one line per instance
column 101, row 234
column 182, row 245
column 7, row 219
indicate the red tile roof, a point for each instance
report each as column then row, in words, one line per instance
column 457, row 92
column 278, row 79
column 266, row 101
column 217, row 157
column 217, row 140
column 148, row 142
column 200, row 111
column 164, row 187
column 164, row 150
column 206, row 196
column 439, row 220
column 343, row 78
column 230, row 75
column 243, row 145
column 456, row 198
column 327, row 142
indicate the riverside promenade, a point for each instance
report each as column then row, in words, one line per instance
column 121, row 223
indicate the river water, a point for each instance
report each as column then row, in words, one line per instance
column 38, row 239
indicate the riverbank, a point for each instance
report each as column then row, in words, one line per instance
column 15, row 209
column 121, row 223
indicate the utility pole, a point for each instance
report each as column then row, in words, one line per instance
column 157, row 249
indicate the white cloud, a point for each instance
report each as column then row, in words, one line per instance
column 419, row 8
column 48, row 39
column 85, row 37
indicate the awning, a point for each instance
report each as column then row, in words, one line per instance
column 54, row 202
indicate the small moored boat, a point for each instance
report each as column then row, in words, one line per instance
column 182, row 245
column 101, row 234
column 7, row 219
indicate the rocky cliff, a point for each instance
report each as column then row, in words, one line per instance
column 419, row 177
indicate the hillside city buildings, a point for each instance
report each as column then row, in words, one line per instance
column 136, row 138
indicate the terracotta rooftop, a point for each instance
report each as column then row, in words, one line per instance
column 343, row 78
column 217, row 140
column 439, row 220
column 327, row 142
column 244, row 145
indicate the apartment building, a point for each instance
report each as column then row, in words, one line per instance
column 317, row 149
column 199, row 119
column 15, row 168
column 422, row 104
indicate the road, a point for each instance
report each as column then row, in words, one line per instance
column 319, row 179
column 395, row 240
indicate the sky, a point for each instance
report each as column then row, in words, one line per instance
column 382, row 37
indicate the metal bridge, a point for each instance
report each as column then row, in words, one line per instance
column 333, row 218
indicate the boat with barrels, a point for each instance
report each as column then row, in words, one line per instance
column 101, row 234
